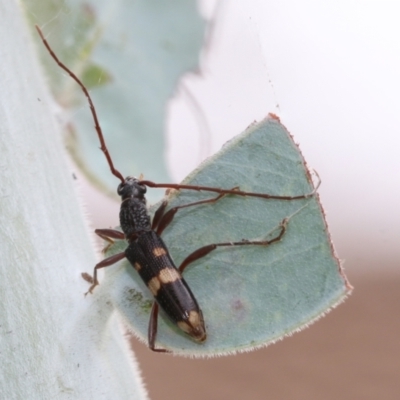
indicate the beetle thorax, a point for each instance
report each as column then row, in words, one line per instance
column 134, row 217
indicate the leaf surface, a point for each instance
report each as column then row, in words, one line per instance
column 250, row 295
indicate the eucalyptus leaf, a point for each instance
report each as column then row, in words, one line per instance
column 250, row 295
column 132, row 54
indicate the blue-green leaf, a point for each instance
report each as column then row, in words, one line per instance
column 250, row 295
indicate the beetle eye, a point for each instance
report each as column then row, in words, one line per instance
column 143, row 189
column 120, row 189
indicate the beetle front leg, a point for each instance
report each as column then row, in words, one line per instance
column 162, row 219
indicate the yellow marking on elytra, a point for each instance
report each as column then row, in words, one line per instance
column 184, row 326
column 169, row 275
column 194, row 318
column 194, row 326
column 154, row 285
column 159, row 251
column 166, row 275
column 137, row 266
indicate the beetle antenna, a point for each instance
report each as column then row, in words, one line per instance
column 103, row 146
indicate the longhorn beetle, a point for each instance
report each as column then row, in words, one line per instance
column 147, row 252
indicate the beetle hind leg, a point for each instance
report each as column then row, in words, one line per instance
column 152, row 331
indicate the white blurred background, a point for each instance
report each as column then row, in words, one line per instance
column 331, row 71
